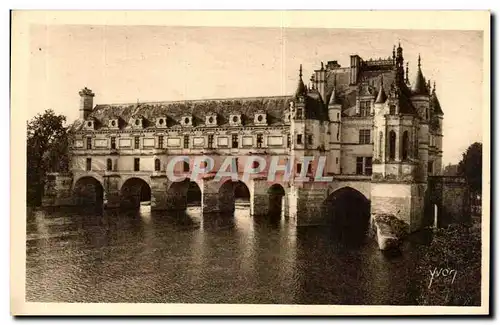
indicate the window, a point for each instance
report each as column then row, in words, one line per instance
column 310, row 168
column 406, row 145
column 160, row 142
column 186, row 141
column 137, row 164
column 368, row 165
column 288, row 141
column 113, row 143
column 185, row 167
column 136, row 142
column 89, row 164
column 337, row 160
column 259, row 140
column 210, row 141
column 109, row 165
column 392, row 145
column 157, row 165
column 299, row 168
column 299, row 138
column 364, row 165
column 392, row 109
column 299, row 113
column 310, row 139
column 234, row 141
column 380, row 144
column 89, row 143
column 430, row 167
column 364, row 136
column 255, row 164
column 359, row 165
column 364, row 108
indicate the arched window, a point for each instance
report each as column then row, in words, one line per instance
column 109, row 165
column 392, row 145
column 157, row 165
column 381, row 144
column 406, row 145
column 186, row 166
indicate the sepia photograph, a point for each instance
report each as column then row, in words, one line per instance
column 252, row 166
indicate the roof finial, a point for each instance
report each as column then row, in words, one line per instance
column 434, row 88
column 419, row 61
column 394, row 52
column 322, row 68
column 300, row 71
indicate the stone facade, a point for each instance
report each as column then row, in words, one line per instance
column 380, row 135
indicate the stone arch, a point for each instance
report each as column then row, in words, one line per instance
column 348, row 213
column 230, row 192
column 88, row 191
column 276, row 200
column 364, row 187
column 134, row 192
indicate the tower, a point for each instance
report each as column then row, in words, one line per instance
column 335, row 118
column 420, row 100
column 86, row 102
column 398, row 186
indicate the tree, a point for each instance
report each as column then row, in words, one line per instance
column 450, row 170
column 47, row 151
column 470, row 166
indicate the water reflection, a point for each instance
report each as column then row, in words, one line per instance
column 149, row 256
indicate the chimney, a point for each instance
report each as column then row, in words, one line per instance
column 320, row 77
column 355, row 69
column 86, row 102
column 331, row 65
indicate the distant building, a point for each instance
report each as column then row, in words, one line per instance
column 381, row 136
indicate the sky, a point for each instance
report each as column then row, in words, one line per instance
column 127, row 64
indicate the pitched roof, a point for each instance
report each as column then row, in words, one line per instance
column 420, row 86
column 435, row 105
column 275, row 108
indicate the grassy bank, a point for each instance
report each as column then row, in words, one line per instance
column 449, row 268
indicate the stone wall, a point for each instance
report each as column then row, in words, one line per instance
column 452, row 199
column 58, row 190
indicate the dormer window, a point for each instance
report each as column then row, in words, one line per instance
column 113, row 123
column 89, row 125
column 211, row 119
column 260, row 119
column 161, row 122
column 235, row 119
column 137, row 122
column 187, row 120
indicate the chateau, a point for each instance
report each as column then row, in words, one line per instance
column 380, row 133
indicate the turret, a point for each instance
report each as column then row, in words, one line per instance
column 86, row 102
column 335, row 116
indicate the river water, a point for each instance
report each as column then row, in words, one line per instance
column 141, row 256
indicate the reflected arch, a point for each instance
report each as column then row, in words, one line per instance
column 276, row 201
column 88, row 192
column 348, row 214
column 134, row 192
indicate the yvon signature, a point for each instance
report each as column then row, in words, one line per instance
column 443, row 273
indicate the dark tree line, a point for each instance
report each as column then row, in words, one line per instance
column 47, row 151
column 471, row 167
